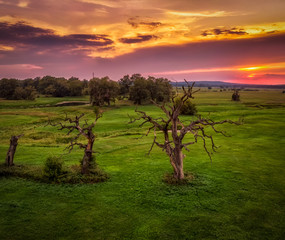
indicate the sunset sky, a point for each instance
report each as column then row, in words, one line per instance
column 213, row 40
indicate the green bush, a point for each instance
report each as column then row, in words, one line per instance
column 53, row 169
column 95, row 175
column 188, row 108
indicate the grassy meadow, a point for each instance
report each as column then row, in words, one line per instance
column 240, row 195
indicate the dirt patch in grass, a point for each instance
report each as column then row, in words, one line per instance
column 71, row 103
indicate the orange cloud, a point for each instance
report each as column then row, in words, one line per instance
column 278, row 66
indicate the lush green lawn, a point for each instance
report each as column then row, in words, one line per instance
column 240, row 195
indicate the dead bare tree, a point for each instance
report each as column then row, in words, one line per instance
column 236, row 96
column 86, row 130
column 12, row 149
column 174, row 130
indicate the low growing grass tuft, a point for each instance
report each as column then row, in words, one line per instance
column 188, row 179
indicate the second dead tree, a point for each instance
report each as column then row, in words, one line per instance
column 85, row 130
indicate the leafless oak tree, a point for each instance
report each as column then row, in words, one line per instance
column 236, row 96
column 12, row 149
column 174, row 130
column 85, row 130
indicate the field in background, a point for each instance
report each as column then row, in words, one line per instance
column 240, row 195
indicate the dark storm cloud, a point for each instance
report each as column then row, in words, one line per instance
column 138, row 39
column 217, row 31
column 70, row 40
column 22, row 33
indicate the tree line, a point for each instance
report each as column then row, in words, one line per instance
column 28, row 89
column 101, row 90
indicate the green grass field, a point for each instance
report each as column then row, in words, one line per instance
column 240, row 195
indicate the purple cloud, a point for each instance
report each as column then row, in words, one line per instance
column 22, row 33
column 138, row 39
column 134, row 22
column 217, row 31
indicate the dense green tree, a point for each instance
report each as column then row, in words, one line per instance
column 19, row 93
column 44, row 83
column 125, row 84
column 27, row 82
column 139, row 92
column 61, row 88
column 27, row 93
column 8, row 87
column 75, row 86
column 187, row 108
column 50, row 90
column 160, row 89
column 156, row 89
column 103, row 90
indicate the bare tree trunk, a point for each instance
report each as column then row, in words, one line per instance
column 12, row 149
column 178, row 162
column 87, row 158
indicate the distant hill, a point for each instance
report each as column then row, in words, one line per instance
column 227, row 85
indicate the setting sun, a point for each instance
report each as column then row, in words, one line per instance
column 252, row 68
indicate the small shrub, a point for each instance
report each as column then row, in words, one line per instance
column 95, row 175
column 188, row 107
column 53, row 169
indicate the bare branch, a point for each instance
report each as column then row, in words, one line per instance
column 154, row 140
column 72, row 144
